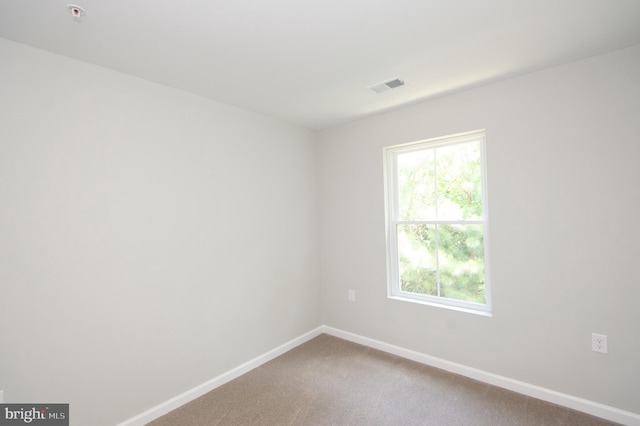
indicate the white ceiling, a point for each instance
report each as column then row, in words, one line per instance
column 309, row 61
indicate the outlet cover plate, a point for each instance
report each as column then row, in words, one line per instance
column 599, row 343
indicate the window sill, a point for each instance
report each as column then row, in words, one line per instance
column 442, row 305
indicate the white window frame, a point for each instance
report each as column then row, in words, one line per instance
column 392, row 221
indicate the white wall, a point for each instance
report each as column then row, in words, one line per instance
column 150, row 239
column 563, row 151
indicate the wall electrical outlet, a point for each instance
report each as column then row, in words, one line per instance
column 599, row 343
column 351, row 295
column 1, row 396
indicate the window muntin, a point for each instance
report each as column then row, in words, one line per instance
column 437, row 222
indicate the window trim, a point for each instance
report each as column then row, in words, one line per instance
column 391, row 195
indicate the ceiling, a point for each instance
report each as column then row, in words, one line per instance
column 309, row 62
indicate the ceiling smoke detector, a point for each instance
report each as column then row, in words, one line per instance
column 76, row 11
column 386, row 85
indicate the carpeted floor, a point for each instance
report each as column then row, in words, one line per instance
column 329, row 381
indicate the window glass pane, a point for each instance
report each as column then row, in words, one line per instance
column 416, row 185
column 417, row 259
column 461, row 262
column 459, row 185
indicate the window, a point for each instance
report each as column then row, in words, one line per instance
column 436, row 201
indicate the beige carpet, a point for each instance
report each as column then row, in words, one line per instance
column 329, row 381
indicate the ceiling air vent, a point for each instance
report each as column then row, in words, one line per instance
column 386, row 85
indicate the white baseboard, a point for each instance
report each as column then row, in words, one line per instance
column 565, row 400
column 198, row 391
column 580, row 404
